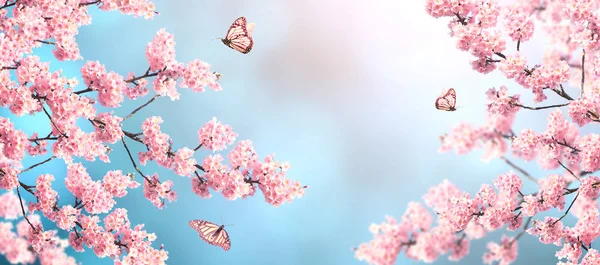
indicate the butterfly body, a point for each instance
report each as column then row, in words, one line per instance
column 447, row 101
column 239, row 36
column 212, row 233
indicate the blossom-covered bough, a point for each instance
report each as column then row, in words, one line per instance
column 570, row 66
column 27, row 87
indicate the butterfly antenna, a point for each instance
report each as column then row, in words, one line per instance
column 216, row 39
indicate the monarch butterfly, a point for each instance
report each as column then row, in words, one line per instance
column 239, row 36
column 447, row 101
column 212, row 233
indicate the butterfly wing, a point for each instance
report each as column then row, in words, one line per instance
column 250, row 27
column 242, row 44
column 238, row 27
column 239, row 36
column 447, row 102
column 222, row 240
column 211, row 233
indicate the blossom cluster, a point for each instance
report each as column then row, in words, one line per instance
column 486, row 29
column 93, row 220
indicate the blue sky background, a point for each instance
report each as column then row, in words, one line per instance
column 341, row 89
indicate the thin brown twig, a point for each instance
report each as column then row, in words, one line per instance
column 23, row 210
column 565, row 144
column 90, row 3
column 54, row 124
column 83, row 91
column 568, row 209
column 147, row 74
column 566, row 168
column 522, row 231
column 42, row 139
column 38, row 164
column 133, row 161
column 46, row 42
column 8, row 5
column 141, row 107
column 582, row 72
column 540, row 108
column 519, row 169
column 198, row 147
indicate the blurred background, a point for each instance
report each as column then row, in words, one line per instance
column 344, row 90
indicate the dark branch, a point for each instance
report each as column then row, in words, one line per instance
column 522, row 232
column 90, row 3
column 566, row 168
column 54, row 124
column 582, row 71
column 133, row 161
column 23, row 210
column 46, row 42
column 198, row 147
column 38, row 164
column 540, row 108
column 519, row 169
column 141, row 107
column 568, row 209
column 83, row 91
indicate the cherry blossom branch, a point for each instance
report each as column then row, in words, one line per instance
column 42, row 139
column 568, row 209
column 461, row 19
column 90, row 3
column 582, row 71
column 566, row 168
column 197, row 147
column 540, row 108
column 565, row 144
column 199, row 177
column 522, row 232
column 10, row 67
column 8, row 5
column 141, row 107
column 501, row 55
column 38, row 164
column 46, row 42
column 54, row 124
column 593, row 116
column 519, row 169
column 83, row 91
column 23, row 210
column 27, row 187
column 147, row 74
column 133, row 161
column 200, row 167
column 133, row 136
column 562, row 93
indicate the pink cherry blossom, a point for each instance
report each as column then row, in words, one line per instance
column 161, row 51
column 567, row 74
column 505, row 253
column 216, row 136
column 156, row 192
column 64, row 107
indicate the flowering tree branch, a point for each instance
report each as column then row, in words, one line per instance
column 93, row 220
column 474, row 25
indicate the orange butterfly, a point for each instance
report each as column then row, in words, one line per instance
column 212, row 233
column 447, row 101
column 239, row 36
